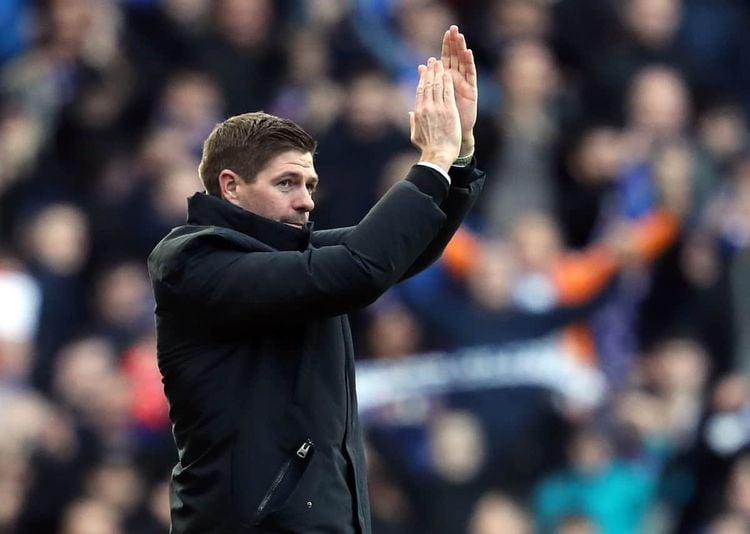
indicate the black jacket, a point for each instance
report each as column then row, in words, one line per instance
column 256, row 353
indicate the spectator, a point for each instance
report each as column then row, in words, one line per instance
column 527, row 128
column 91, row 516
column 57, row 247
column 497, row 514
column 576, row 524
column 366, row 131
column 615, row 495
column 240, row 54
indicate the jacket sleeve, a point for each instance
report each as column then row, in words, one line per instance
column 275, row 285
column 335, row 236
column 466, row 184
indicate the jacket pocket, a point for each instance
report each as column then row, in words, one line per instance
column 285, row 482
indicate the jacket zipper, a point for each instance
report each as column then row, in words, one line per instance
column 304, row 449
column 300, row 456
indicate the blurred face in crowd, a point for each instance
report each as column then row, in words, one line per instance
column 282, row 190
column 577, row 525
column 245, row 23
column 653, row 22
column 91, row 516
column 537, row 241
column 24, row 418
column 187, row 11
column 20, row 138
column 589, row 452
column 192, row 101
column 118, row 485
column 58, row 239
column 723, row 131
column 673, row 175
column 514, row 19
column 326, row 13
column 123, row 295
column 659, row 102
column 81, row 367
column 598, row 157
column 738, row 490
column 679, row 366
column 729, row 523
column 421, row 21
column 496, row 514
column 528, row 74
column 457, row 446
column 368, row 97
column 393, row 332
column 730, row 393
column 490, row 281
column 70, row 21
column 308, row 57
column 162, row 150
column 642, row 412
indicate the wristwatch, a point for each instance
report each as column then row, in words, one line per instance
column 463, row 161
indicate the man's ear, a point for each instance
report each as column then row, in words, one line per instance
column 228, row 182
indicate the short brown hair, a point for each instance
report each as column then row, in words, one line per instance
column 245, row 143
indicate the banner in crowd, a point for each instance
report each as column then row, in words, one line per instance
column 544, row 363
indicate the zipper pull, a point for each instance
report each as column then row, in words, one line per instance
column 304, row 449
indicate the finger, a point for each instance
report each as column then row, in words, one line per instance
column 459, row 47
column 412, row 126
column 455, row 48
column 437, row 88
column 469, row 67
column 445, row 53
column 429, row 81
column 448, row 94
column 422, row 70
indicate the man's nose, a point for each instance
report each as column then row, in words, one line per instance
column 305, row 201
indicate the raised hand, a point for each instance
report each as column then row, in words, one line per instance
column 435, row 123
column 459, row 62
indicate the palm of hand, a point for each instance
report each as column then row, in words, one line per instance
column 466, row 100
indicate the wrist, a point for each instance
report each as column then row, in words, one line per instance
column 444, row 161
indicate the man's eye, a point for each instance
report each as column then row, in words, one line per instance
column 311, row 189
column 284, row 183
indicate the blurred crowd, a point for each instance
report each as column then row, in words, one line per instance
column 616, row 216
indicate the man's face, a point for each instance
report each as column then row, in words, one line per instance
column 282, row 190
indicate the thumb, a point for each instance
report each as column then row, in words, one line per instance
column 412, row 126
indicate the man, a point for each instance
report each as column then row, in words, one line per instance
column 253, row 340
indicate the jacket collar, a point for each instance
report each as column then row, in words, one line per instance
column 208, row 210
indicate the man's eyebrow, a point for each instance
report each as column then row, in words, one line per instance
column 294, row 172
